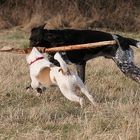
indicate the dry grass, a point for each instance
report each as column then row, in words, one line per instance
column 51, row 116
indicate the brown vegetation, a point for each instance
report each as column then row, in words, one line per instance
column 24, row 116
column 114, row 14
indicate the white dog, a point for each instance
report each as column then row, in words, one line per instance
column 44, row 73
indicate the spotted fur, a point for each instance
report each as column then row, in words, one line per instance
column 125, row 61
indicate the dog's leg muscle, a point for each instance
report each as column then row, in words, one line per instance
column 124, row 60
column 70, row 94
column 34, row 83
column 81, row 70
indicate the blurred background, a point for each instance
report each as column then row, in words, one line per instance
column 123, row 15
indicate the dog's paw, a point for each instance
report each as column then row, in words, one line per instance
column 39, row 90
column 94, row 104
column 29, row 89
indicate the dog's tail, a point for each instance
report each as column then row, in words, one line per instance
column 63, row 64
column 133, row 42
column 124, row 41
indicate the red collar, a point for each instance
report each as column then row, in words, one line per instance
column 38, row 58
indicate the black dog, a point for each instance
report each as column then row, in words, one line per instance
column 121, row 53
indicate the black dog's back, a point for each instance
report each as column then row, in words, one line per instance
column 55, row 38
column 72, row 36
column 120, row 53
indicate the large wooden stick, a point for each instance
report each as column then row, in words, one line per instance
column 80, row 46
column 61, row 48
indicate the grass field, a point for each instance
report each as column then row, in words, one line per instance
column 24, row 116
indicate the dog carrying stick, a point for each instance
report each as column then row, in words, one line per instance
column 80, row 46
column 61, row 48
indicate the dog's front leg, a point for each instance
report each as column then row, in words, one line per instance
column 35, row 85
column 81, row 70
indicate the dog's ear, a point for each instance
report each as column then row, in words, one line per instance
column 42, row 26
column 38, row 27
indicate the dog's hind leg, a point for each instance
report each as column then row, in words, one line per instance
column 70, row 94
column 124, row 60
column 84, row 90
